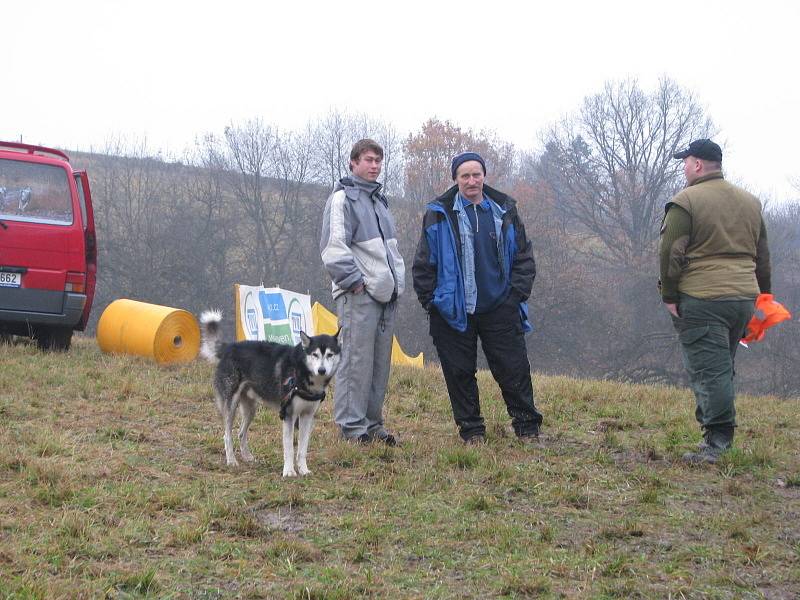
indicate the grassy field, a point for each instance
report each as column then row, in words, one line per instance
column 113, row 484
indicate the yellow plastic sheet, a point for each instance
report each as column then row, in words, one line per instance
column 401, row 358
column 326, row 322
column 239, row 327
column 168, row 335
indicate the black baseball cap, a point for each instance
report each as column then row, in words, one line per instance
column 704, row 149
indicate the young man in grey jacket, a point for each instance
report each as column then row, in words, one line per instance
column 359, row 251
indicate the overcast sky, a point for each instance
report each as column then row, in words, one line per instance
column 76, row 74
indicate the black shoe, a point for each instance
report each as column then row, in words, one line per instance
column 529, row 434
column 360, row 440
column 385, row 437
column 529, row 438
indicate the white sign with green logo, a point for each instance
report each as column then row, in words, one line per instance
column 274, row 314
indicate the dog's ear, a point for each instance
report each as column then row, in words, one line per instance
column 336, row 335
column 305, row 340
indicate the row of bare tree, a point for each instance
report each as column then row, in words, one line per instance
column 246, row 207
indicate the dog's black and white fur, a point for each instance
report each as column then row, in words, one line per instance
column 289, row 379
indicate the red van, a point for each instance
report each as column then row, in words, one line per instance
column 48, row 249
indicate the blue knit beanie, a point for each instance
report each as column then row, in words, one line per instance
column 460, row 159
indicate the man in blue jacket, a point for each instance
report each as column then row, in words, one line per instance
column 473, row 272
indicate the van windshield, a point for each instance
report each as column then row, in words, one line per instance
column 34, row 193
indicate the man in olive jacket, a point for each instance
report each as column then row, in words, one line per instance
column 714, row 261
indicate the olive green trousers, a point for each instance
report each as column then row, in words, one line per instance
column 709, row 332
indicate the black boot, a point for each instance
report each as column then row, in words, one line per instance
column 720, row 437
column 717, row 439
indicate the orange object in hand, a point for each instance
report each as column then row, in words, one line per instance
column 768, row 313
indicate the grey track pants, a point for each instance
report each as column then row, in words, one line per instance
column 363, row 374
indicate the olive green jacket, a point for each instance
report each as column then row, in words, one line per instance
column 713, row 243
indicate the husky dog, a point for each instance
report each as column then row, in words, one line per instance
column 289, row 379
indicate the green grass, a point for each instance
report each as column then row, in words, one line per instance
column 113, row 484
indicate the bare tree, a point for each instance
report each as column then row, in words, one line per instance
column 266, row 172
column 335, row 135
column 392, row 173
column 609, row 170
column 295, row 204
column 610, row 165
column 205, row 237
column 163, row 230
column 241, row 157
column 130, row 191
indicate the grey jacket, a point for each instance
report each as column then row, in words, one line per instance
column 359, row 242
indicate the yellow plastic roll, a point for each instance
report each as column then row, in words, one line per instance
column 169, row 335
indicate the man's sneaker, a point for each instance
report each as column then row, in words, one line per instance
column 476, row 440
column 385, row 437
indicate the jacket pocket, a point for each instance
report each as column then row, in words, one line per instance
column 445, row 302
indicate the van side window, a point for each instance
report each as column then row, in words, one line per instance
column 34, row 193
column 82, row 199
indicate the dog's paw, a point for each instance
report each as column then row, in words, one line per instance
column 248, row 457
column 303, row 470
column 289, row 472
column 232, row 462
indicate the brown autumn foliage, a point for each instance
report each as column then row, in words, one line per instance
column 428, row 154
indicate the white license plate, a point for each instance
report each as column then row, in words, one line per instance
column 10, row 279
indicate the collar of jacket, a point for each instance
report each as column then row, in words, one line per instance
column 707, row 177
column 505, row 201
column 353, row 185
column 460, row 203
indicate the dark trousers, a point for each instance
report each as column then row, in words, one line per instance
column 709, row 332
column 503, row 342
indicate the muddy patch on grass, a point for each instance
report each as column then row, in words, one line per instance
column 604, row 425
column 633, row 458
column 289, row 520
column 557, row 444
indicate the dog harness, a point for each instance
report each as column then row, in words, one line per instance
column 293, row 389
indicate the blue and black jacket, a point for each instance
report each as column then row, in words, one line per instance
column 438, row 277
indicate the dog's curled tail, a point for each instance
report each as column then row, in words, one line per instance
column 210, row 327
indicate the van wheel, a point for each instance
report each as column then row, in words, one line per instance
column 54, row 338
